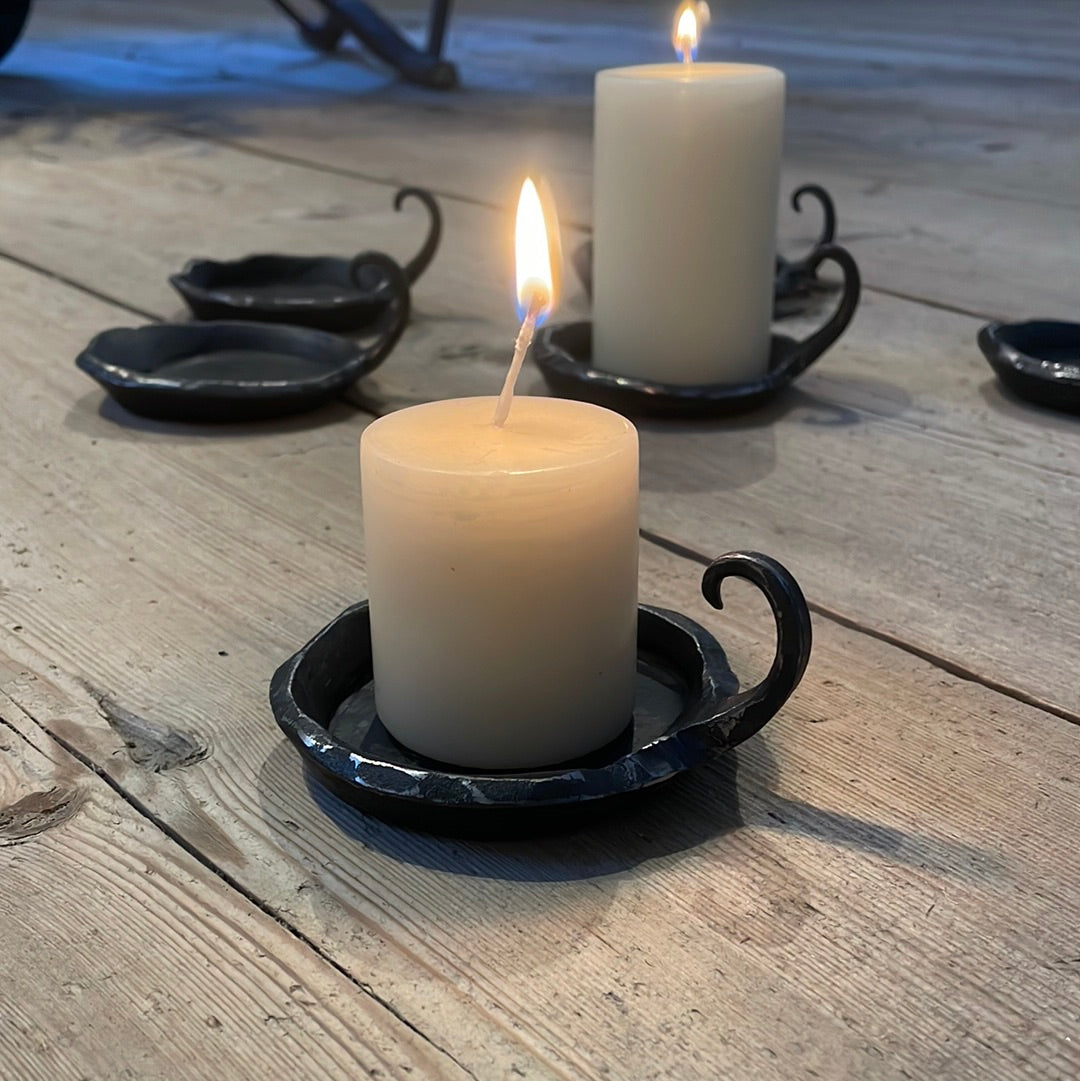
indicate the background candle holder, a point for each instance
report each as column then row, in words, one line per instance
column 324, row 291
column 1038, row 360
column 796, row 288
column 563, row 353
column 230, row 371
column 687, row 708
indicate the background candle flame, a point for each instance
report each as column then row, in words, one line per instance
column 532, row 253
column 690, row 19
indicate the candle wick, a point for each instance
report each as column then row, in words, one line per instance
column 521, row 347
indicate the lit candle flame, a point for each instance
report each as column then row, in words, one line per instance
column 690, row 19
column 535, row 287
column 535, row 284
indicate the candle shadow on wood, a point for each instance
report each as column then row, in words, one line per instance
column 697, row 812
column 683, row 457
column 736, row 452
column 658, row 823
column 87, row 414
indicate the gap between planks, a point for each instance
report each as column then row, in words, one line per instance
column 144, row 811
column 346, row 396
column 78, row 286
column 678, row 548
column 669, row 544
column 468, row 200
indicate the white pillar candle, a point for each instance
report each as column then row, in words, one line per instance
column 686, row 177
column 502, row 577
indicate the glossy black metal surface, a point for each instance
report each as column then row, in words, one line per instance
column 796, row 288
column 563, row 353
column 325, row 292
column 1038, row 360
column 226, row 372
column 686, row 708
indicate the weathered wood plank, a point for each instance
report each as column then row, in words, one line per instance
column 122, row 956
column 904, row 412
column 233, row 538
column 957, row 166
column 875, row 888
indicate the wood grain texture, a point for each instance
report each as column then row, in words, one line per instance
column 874, row 888
column 950, row 140
column 121, row 956
column 904, row 411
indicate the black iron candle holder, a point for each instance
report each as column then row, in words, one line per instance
column 687, row 708
column 796, row 288
column 563, row 353
column 324, row 291
column 1038, row 360
column 230, row 371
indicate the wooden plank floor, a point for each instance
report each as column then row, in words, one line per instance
column 880, row 885
column 904, row 404
column 125, row 955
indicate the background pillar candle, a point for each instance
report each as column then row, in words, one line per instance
column 686, row 177
column 502, row 576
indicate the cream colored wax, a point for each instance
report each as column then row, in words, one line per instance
column 502, row 577
column 686, row 178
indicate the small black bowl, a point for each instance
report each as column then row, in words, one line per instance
column 228, row 371
column 1038, row 360
column 563, row 353
column 686, row 708
column 322, row 291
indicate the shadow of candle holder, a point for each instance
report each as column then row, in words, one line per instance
column 693, row 811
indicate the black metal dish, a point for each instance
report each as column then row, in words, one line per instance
column 324, row 291
column 237, row 371
column 1038, row 360
column 687, row 707
column 563, row 354
column 796, row 287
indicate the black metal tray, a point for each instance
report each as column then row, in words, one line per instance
column 323, row 291
column 226, row 372
column 687, row 707
column 563, row 353
column 1038, row 360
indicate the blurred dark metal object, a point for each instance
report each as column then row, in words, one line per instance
column 425, row 67
column 13, row 16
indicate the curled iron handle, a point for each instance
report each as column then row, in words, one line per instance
column 804, row 353
column 748, row 711
column 828, row 210
column 367, row 277
column 420, row 261
column 394, row 287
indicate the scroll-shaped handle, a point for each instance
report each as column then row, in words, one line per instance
column 394, row 316
column 419, row 262
column 745, row 713
column 828, row 210
column 802, row 354
column 366, row 275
